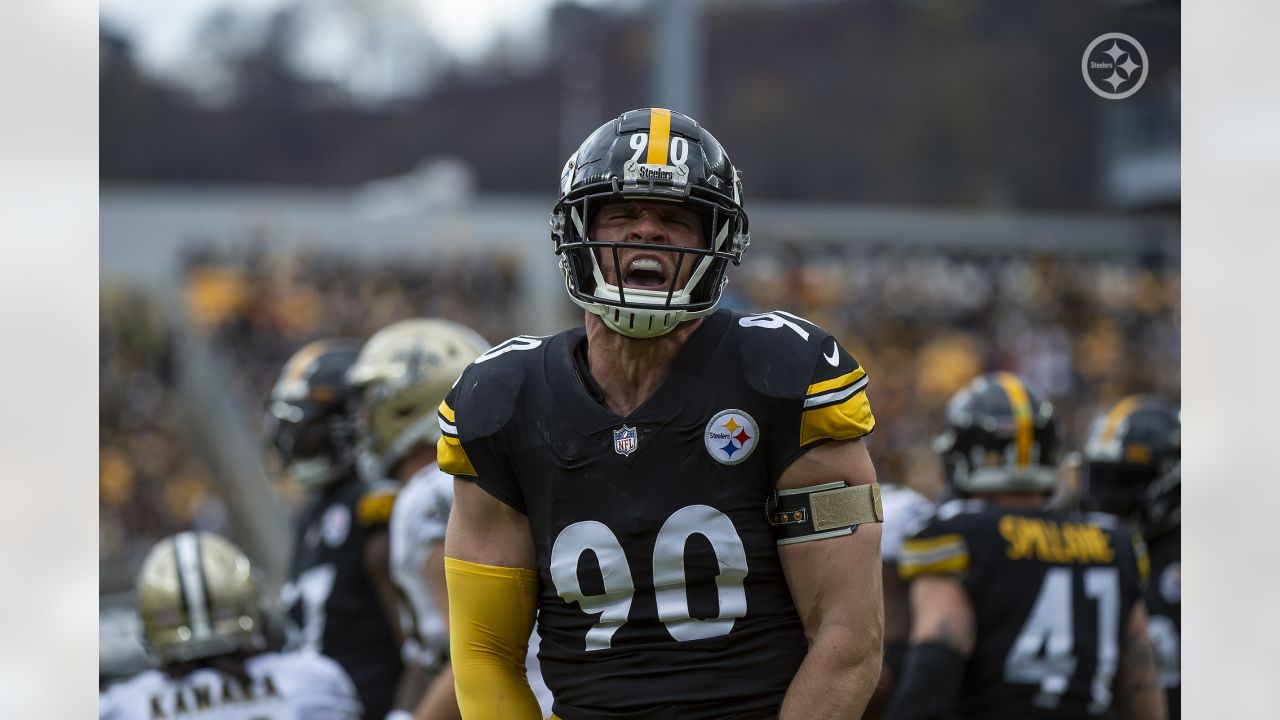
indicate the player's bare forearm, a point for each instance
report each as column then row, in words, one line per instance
column 837, row 677
column 1138, row 693
column 836, row 586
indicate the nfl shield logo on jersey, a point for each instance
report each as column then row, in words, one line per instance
column 730, row 436
column 625, row 440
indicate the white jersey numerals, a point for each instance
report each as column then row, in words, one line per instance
column 520, row 342
column 1043, row 652
column 670, row 582
column 312, row 588
column 776, row 319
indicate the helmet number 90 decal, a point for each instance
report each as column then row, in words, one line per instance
column 669, row 579
column 679, row 148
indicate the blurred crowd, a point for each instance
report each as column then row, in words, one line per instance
column 151, row 480
column 262, row 306
column 1084, row 331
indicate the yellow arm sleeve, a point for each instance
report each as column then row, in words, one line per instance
column 491, row 614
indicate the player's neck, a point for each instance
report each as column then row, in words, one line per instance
column 628, row 370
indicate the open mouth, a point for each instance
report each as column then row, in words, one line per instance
column 645, row 273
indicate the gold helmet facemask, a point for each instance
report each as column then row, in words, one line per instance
column 198, row 598
column 403, row 374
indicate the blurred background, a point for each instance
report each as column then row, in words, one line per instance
column 931, row 180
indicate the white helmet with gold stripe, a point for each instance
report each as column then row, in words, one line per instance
column 403, row 373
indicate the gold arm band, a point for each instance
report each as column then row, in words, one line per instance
column 823, row 511
column 491, row 614
column 846, row 506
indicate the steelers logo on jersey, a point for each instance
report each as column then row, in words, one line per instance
column 731, row 436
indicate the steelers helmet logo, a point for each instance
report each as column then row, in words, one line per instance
column 731, row 436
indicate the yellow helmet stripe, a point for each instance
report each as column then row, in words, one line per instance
column 1021, row 405
column 1122, row 410
column 659, row 136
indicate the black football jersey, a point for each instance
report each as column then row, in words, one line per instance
column 1051, row 592
column 661, row 593
column 1164, row 610
column 330, row 599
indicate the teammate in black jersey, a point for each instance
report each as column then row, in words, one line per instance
column 1132, row 471
column 339, row 595
column 1019, row 611
column 1161, row 518
column 680, row 493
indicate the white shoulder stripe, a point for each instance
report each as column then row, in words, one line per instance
column 446, row 427
column 837, row 395
column 933, row 555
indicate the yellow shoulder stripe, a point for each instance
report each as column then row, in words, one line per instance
column 843, row 421
column 835, row 383
column 955, row 565
column 375, row 508
column 452, row 458
column 447, row 412
column 932, row 544
column 943, row 554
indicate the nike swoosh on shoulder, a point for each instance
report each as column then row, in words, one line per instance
column 834, row 358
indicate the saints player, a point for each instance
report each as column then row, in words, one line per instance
column 339, row 595
column 402, row 374
column 201, row 619
column 1132, row 471
column 1019, row 611
column 681, row 494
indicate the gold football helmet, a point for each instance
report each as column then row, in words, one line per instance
column 198, row 598
column 403, row 373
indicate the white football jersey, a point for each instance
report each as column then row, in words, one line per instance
column 903, row 508
column 416, row 529
column 289, row 686
column 418, row 522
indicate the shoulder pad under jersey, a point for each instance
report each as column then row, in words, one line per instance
column 788, row 358
column 484, row 398
column 780, row 352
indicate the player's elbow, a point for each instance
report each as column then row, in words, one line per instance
column 854, row 650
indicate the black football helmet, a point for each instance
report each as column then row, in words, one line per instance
column 1129, row 447
column 1000, row 437
column 1161, row 507
column 650, row 154
column 310, row 420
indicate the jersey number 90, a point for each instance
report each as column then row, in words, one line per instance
column 614, row 605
